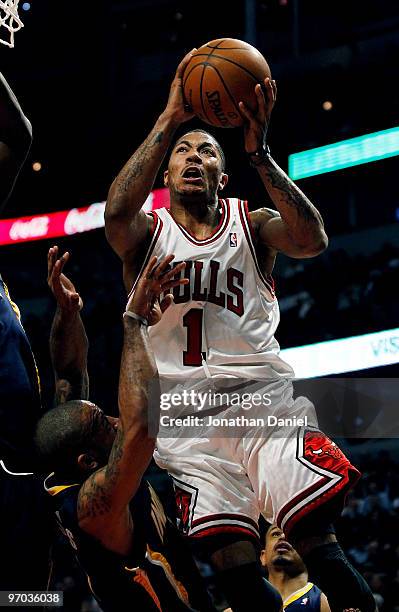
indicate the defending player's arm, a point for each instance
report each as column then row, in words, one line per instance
column 103, row 504
column 297, row 229
column 126, row 225
column 15, row 139
column 324, row 605
column 68, row 340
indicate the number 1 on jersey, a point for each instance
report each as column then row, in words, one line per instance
column 193, row 321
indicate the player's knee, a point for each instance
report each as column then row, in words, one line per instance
column 246, row 589
column 236, row 562
column 308, row 535
column 226, row 550
column 234, row 555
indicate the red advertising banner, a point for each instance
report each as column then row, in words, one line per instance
column 66, row 222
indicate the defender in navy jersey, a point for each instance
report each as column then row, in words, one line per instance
column 132, row 554
column 288, row 574
column 22, row 533
column 220, row 331
column 157, row 573
column 20, row 406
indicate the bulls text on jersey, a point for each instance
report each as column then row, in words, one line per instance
column 231, row 298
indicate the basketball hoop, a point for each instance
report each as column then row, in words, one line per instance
column 10, row 20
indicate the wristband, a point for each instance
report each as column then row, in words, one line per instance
column 258, row 157
column 133, row 315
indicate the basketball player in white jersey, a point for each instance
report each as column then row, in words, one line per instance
column 221, row 327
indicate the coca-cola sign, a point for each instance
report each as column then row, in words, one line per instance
column 78, row 221
column 37, row 227
column 67, row 222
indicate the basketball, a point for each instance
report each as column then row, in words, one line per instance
column 220, row 74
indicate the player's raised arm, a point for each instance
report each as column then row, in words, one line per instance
column 126, row 225
column 68, row 340
column 103, row 509
column 298, row 229
column 15, row 139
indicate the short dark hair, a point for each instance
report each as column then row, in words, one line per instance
column 217, row 144
column 61, row 434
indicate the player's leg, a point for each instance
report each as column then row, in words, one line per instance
column 329, row 567
column 238, row 574
column 302, row 478
column 218, row 511
column 314, row 538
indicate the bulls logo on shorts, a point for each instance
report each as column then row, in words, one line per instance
column 323, row 452
column 183, row 500
column 323, row 480
column 186, row 499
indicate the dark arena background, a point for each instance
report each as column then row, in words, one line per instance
column 93, row 77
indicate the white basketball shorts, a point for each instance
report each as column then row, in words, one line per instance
column 226, row 475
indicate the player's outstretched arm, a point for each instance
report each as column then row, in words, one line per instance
column 15, row 139
column 104, row 497
column 297, row 230
column 68, row 340
column 126, row 225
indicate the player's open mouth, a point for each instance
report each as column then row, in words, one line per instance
column 283, row 547
column 193, row 174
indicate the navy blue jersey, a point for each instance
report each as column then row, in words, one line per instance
column 159, row 574
column 306, row 599
column 20, row 405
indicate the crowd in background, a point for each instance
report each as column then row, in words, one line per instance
column 338, row 295
column 369, row 528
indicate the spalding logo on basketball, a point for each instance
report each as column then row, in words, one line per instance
column 220, row 74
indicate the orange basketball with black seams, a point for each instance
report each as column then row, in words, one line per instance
column 220, row 74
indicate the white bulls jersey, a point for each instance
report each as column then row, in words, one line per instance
column 223, row 322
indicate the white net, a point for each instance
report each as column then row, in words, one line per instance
column 9, row 19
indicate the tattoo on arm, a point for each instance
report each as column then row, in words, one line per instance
column 135, row 166
column 95, row 496
column 300, row 233
column 112, row 469
column 291, row 195
column 107, row 492
column 93, row 500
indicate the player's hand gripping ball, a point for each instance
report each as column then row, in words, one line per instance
column 219, row 75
